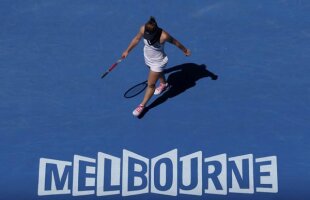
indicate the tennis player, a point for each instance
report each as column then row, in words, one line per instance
column 155, row 58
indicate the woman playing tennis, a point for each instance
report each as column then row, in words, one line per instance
column 155, row 58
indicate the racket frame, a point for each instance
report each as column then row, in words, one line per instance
column 111, row 67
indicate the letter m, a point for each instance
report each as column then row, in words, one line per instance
column 54, row 177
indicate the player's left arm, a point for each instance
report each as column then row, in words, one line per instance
column 167, row 37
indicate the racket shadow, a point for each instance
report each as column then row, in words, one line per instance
column 181, row 78
column 135, row 90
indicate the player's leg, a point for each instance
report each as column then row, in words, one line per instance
column 163, row 85
column 152, row 79
column 162, row 78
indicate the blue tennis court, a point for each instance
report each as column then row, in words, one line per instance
column 234, row 124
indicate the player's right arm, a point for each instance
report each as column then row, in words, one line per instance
column 134, row 42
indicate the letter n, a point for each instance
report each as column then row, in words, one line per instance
column 242, row 174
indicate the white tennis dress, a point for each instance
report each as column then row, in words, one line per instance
column 155, row 56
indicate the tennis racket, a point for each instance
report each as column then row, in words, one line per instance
column 112, row 67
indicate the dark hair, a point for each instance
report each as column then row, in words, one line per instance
column 152, row 32
column 151, row 25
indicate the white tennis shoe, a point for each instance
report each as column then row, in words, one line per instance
column 138, row 110
column 161, row 88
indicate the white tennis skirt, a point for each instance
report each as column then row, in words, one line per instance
column 157, row 66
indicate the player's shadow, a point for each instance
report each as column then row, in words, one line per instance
column 181, row 78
